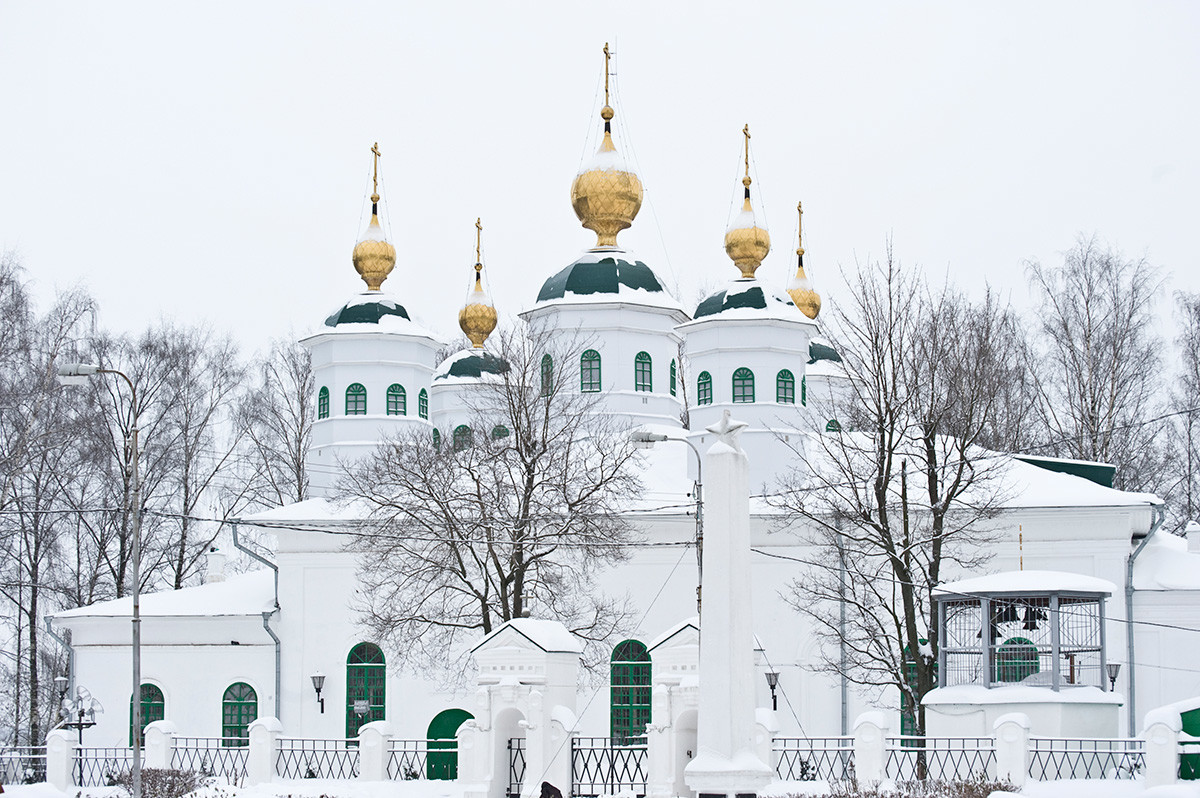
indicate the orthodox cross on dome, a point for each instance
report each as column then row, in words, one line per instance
column 800, row 231
column 746, row 179
column 727, row 430
column 607, row 56
column 375, row 173
column 478, row 245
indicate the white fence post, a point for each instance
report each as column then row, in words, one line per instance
column 374, row 747
column 1161, row 734
column 1011, row 732
column 870, row 731
column 60, row 759
column 160, row 744
column 474, row 758
column 264, row 748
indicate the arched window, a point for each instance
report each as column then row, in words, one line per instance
column 397, row 400
column 423, row 404
column 462, row 437
column 804, row 390
column 499, row 431
column 743, row 386
column 704, row 389
column 1016, row 659
column 833, row 426
column 239, row 708
column 589, row 371
column 356, row 400
column 323, row 402
column 672, row 376
column 785, row 388
column 642, row 378
column 365, row 685
column 154, row 707
column 442, row 734
column 437, row 438
column 547, row 375
column 630, row 685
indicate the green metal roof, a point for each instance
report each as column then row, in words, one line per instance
column 1100, row 473
column 366, row 313
column 476, row 365
column 752, row 297
column 604, row 275
column 818, row 351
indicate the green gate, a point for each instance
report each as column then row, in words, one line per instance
column 1189, row 764
column 442, row 764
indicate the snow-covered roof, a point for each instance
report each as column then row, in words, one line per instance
column 245, row 594
column 1018, row 694
column 607, row 274
column 1027, row 485
column 550, row 636
column 373, row 311
column 1166, row 564
column 686, row 623
column 313, row 511
column 1027, row 582
column 750, row 298
column 470, row 365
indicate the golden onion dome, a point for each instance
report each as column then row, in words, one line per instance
column 800, row 287
column 745, row 242
column 374, row 258
column 477, row 319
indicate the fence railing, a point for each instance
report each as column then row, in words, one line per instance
column 101, row 767
column 516, row 766
column 814, row 758
column 23, row 764
column 422, row 759
column 1054, row 758
column 212, row 756
column 300, row 758
column 606, row 766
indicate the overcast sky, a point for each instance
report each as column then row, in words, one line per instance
column 209, row 162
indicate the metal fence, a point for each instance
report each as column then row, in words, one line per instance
column 516, row 766
column 606, row 766
column 316, row 759
column 423, row 759
column 212, row 756
column 814, row 758
column 101, row 767
column 1054, row 758
column 23, row 764
column 940, row 758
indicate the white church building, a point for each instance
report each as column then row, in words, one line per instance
column 284, row 641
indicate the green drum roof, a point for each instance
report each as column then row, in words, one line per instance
column 366, row 313
column 475, row 364
column 819, row 351
column 599, row 275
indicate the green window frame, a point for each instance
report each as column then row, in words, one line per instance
column 589, row 371
column 397, row 400
column 547, row 375
column 804, row 391
column 154, row 707
column 423, row 404
column 499, row 431
column 463, row 437
column 323, row 403
column 743, row 386
column 785, row 387
column 366, row 680
column 239, row 708
column 437, row 439
column 629, row 680
column 704, row 389
column 643, row 372
column 833, row 425
column 672, row 373
column 1016, row 659
column 356, row 399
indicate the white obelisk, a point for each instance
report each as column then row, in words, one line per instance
column 726, row 763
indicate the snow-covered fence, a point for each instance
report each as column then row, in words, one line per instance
column 1056, row 758
column 607, row 766
column 23, row 764
column 101, row 767
column 301, row 758
column 940, row 758
column 814, row 758
column 212, row 756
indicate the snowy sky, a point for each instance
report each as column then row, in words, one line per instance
column 209, row 162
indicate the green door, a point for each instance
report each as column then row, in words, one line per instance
column 1189, row 764
column 443, row 764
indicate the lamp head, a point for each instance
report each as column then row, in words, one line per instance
column 318, row 681
column 772, row 679
column 646, row 440
column 75, row 373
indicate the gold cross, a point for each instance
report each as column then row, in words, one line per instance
column 746, row 132
column 606, row 57
column 799, row 229
column 375, row 173
column 478, row 253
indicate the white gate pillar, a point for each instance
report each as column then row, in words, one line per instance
column 60, row 759
column 264, row 748
column 870, row 731
column 160, row 744
column 1161, row 734
column 374, row 750
column 1012, row 748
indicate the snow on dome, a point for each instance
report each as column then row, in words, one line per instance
column 470, row 364
column 751, row 299
column 604, row 161
column 373, row 232
column 245, row 594
column 550, row 636
column 373, row 311
column 1028, row 582
column 599, row 275
column 743, row 221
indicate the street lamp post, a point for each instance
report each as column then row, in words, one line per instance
column 77, row 374
column 646, row 440
column 83, row 709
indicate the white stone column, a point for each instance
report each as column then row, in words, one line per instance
column 870, row 733
column 1012, row 748
column 264, row 748
column 60, row 759
column 1161, row 734
column 160, row 744
column 727, row 762
column 474, row 759
column 374, row 749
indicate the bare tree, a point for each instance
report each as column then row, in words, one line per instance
column 1096, row 367
column 1186, row 400
column 526, row 504
column 902, row 492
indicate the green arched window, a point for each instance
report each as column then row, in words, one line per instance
column 743, row 386
column 704, row 389
column 833, row 426
column 437, row 438
column 547, row 375
column 365, row 685
column 239, row 708
column 462, row 437
column 785, row 388
column 442, row 734
column 356, row 400
column 589, row 371
column 499, row 431
column 630, row 684
column 1016, row 659
column 642, row 377
column 323, row 402
column 672, row 374
column 804, row 390
column 423, row 404
column 397, row 400
column 154, row 707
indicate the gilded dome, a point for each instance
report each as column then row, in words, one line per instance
column 477, row 319
column 606, row 195
column 745, row 242
column 800, row 288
